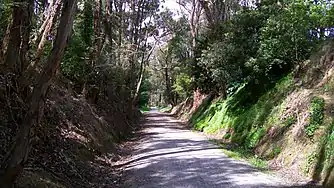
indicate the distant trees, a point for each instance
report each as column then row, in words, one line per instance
column 233, row 41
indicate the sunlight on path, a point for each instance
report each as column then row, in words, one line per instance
column 170, row 156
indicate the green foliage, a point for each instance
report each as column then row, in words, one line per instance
column 284, row 37
column 249, row 121
column 144, row 92
column 183, row 85
column 275, row 152
column 86, row 23
column 259, row 43
column 5, row 15
column 329, row 148
column 316, row 115
column 144, row 109
column 310, row 161
column 76, row 65
column 289, row 121
column 254, row 137
column 241, row 153
column 320, row 162
column 227, row 136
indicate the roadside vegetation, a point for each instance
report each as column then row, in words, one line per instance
column 241, row 153
column 259, row 77
column 74, row 76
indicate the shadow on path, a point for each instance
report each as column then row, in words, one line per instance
column 171, row 156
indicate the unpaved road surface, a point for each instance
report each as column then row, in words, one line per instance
column 171, row 156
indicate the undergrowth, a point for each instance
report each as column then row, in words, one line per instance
column 242, row 153
column 316, row 115
column 165, row 109
column 144, row 109
column 244, row 119
column 245, row 122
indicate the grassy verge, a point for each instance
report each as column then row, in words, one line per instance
column 165, row 109
column 245, row 115
column 243, row 154
column 144, row 109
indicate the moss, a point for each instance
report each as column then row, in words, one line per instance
column 274, row 152
column 316, row 115
column 310, row 161
column 328, row 87
column 328, row 154
column 247, row 155
column 255, row 137
column 201, row 111
column 289, row 121
column 144, row 109
column 227, row 136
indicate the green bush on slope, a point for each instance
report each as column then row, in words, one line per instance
column 316, row 115
column 246, row 123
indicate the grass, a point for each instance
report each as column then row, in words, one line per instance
column 144, row 109
column 245, row 117
column 165, row 109
column 316, row 115
column 243, row 154
column 249, row 121
column 320, row 163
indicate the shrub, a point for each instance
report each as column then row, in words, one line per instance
column 316, row 115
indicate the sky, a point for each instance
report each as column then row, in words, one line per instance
column 173, row 6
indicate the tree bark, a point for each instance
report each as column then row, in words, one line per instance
column 19, row 153
column 19, row 34
column 4, row 41
column 195, row 14
column 142, row 67
column 207, row 11
column 98, row 42
column 54, row 9
column 26, row 31
column 168, row 86
column 41, row 29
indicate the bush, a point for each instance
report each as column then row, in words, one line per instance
column 183, row 85
column 316, row 115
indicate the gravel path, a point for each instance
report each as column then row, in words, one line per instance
column 170, row 156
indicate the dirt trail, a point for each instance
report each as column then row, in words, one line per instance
column 171, row 156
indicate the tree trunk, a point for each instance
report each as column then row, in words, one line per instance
column 4, row 41
column 207, row 11
column 98, row 42
column 19, row 153
column 168, row 86
column 142, row 69
column 26, row 30
column 137, row 94
column 54, row 9
column 194, row 23
column 19, row 34
column 41, row 29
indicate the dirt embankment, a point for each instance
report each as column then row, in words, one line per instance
column 291, row 125
column 75, row 143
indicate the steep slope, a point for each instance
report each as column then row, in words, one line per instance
column 75, row 143
column 290, row 124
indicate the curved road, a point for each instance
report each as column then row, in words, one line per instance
column 170, row 156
